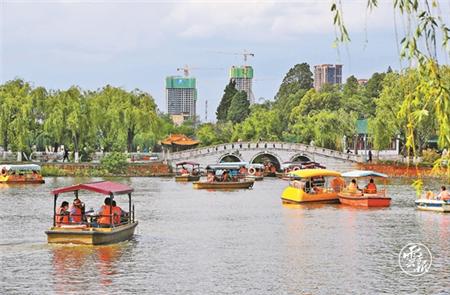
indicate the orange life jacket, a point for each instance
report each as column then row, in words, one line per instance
column 77, row 218
column 117, row 212
column 371, row 188
column 105, row 217
column 60, row 217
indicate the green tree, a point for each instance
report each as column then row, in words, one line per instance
column 298, row 77
column 207, row 135
column 239, row 107
column 225, row 102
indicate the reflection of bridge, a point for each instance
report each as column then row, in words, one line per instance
column 258, row 152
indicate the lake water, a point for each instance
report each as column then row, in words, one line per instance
column 239, row 242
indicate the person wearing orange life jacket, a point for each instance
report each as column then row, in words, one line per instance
column 371, row 188
column 117, row 212
column 77, row 211
column 62, row 214
column 104, row 214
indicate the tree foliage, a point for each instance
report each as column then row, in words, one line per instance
column 225, row 102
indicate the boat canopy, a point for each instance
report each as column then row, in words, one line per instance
column 227, row 165
column 363, row 173
column 308, row 173
column 28, row 167
column 188, row 163
column 102, row 187
column 255, row 165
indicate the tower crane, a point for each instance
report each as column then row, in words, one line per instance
column 245, row 54
column 187, row 69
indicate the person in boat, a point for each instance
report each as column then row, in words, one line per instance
column 371, row 188
column 210, row 177
column 184, row 171
column 104, row 214
column 225, row 176
column 444, row 195
column 117, row 212
column 353, row 186
column 77, row 211
column 62, row 214
column 242, row 170
column 195, row 172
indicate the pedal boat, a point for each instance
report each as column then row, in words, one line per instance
column 289, row 167
column 433, row 205
column 87, row 233
column 311, row 185
column 30, row 173
column 193, row 175
column 365, row 198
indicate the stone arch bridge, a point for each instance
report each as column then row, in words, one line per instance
column 258, row 152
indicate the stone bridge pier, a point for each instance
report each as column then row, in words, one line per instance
column 259, row 152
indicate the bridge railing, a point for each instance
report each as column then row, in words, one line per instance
column 268, row 145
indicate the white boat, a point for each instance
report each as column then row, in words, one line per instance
column 433, row 205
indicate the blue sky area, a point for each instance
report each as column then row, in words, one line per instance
column 136, row 44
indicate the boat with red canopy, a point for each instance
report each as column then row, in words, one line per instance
column 183, row 174
column 87, row 229
column 370, row 196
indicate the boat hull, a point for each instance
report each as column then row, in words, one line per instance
column 254, row 177
column 433, row 205
column 21, row 179
column 366, row 200
column 223, row 185
column 187, row 178
column 91, row 236
column 293, row 195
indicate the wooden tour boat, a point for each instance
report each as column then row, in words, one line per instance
column 225, row 176
column 185, row 175
column 255, row 172
column 30, row 173
column 312, row 185
column 367, row 197
column 119, row 228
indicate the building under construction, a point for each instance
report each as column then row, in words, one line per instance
column 181, row 96
column 243, row 77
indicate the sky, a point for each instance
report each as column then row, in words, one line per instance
column 136, row 44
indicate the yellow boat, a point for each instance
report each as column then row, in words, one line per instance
column 223, row 185
column 313, row 185
column 30, row 173
column 87, row 231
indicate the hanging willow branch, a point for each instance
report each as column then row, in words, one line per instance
column 419, row 46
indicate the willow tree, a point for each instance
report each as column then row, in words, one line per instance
column 138, row 115
column 426, row 33
column 15, row 115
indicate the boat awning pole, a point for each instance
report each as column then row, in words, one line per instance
column 129, row 207
column 111, row 196
column 54, row 209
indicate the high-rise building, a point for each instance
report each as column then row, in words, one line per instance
column 181, row 96
column 243, row 77
column 327, row 74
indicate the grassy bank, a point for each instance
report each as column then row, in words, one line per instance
column 98, row 170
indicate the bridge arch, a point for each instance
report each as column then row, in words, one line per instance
column 301, row 157
column 230, row 157
column 265, row 156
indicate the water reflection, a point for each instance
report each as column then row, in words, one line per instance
column 75, row 266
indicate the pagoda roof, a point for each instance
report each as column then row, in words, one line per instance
column 179, row 139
